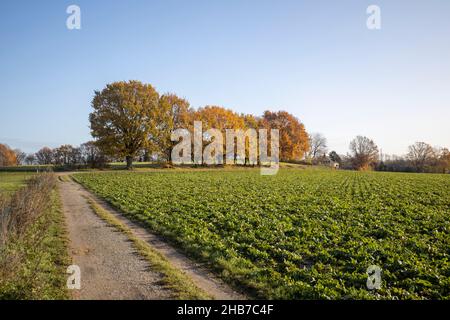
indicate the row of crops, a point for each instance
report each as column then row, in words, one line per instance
column 301, row 234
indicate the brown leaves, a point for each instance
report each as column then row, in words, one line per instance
column 125, row 117
column 364, row 152
column 293, row 137
column 131, row 117
column 7, row 156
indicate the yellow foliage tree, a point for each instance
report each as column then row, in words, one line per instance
column 125, row 118
column 293, row 137
column 7, row 156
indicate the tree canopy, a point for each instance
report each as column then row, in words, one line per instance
column 125, row 118
column 293, row 137
column 420, row 154
column 7, row 156
column 131, row 117
column 364, row 153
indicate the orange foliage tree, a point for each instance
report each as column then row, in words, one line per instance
column 293, row 137
column 219, row 118
column 7, row 156
column 174, row 113
column 131, row 117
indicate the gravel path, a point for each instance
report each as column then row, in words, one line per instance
column 201, row 277
column 110, row 267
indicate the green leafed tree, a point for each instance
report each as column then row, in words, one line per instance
column 124, row 120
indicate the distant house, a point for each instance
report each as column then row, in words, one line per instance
column 332, row 164
column 326, row 161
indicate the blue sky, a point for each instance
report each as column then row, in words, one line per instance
column 315, row 59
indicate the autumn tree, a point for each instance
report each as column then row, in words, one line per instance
column 444, row 160
column 44, row 156
column 293, row 137
column 30, row 159
column 420, row 154
column 7, row 156
column 92, row 155
column 67, row 155
column 364, row 153
column 20, row 155
column 75, row 156
column 124, row 121
column 219, row 118
column 250, row 121
column 61, row 154
column 317, row 146
column 174, row 113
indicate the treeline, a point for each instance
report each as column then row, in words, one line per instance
column 132, row 118
column 88, row 154
column 131, row 121
column 421, row 157
column 365, row 155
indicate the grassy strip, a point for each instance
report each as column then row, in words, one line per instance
column 41, row 274
column 174, row 279
column 64, row 178
column 11, row 182
column 55, row 245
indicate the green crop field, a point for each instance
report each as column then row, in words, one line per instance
column 10, row 182
column 301, row 233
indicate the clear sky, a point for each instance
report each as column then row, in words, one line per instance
column 315, row 59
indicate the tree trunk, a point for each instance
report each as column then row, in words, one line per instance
column 169, row 156
column 146, row 156
column 129, row 162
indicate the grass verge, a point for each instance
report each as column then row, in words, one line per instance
column 64, row 178
column 33, row 264
column 11, row 182
column 174, row 279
